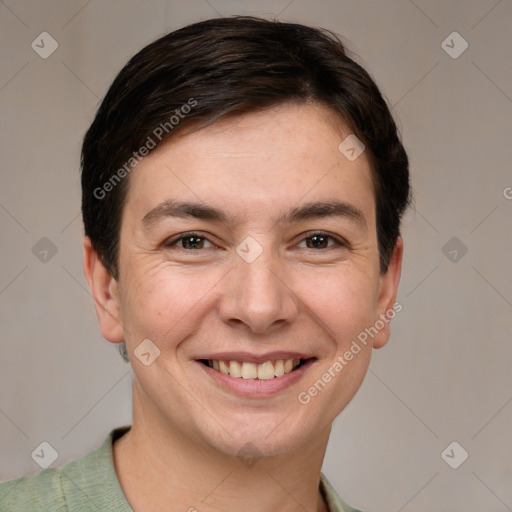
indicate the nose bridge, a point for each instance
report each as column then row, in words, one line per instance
column 257, row 293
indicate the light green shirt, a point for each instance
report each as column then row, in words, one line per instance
column 90, row 484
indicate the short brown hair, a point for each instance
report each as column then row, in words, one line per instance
column 224, row 67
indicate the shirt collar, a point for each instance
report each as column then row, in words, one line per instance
column 100, row 462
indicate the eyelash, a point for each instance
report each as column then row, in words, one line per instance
column 338, row 242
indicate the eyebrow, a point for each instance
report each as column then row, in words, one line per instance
column 308, row 211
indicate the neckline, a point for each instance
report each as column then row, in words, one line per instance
column 325, row 488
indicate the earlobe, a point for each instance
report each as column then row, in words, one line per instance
column 104, row 289
column 386, row 305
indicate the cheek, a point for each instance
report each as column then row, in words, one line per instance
column 345, row 305
column 163, row 303
column 343, row 301
column 344, row 309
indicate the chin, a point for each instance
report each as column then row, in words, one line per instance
column 260, row 437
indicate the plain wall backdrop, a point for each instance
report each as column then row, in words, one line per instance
column 445, row 375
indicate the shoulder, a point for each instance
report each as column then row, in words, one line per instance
column 41, row 492
column 334, row 502
column 37, row 493
column 80, row 485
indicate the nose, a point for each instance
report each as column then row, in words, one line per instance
column 258, row 295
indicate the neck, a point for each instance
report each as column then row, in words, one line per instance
column 160, row 467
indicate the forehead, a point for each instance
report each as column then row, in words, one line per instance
column 260, row 162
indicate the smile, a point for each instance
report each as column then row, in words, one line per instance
column 251, row 371
column 255, row 376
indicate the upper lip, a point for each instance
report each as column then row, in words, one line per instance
column 247, row 357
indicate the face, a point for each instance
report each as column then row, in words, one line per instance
column 248, row 257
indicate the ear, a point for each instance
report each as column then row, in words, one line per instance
column 388, row 287
column 104, row 289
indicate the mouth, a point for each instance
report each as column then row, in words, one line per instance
column 267, row 370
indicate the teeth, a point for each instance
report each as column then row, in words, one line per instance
column 279, row 368
column 235, row 369
column 249, row 371
column 224, row 368
column 264, row 371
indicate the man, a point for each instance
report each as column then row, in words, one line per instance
column 243, row 184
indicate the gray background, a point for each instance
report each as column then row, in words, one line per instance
column 445, row 374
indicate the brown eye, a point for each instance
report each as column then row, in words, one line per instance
column 321, row 241
column 317, row 242
column 190, row 241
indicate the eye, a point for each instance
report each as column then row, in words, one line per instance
column 189, row 241
column 319, row 240
column 193, row 241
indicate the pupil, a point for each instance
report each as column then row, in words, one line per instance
column 315, row 241
column 196, row 241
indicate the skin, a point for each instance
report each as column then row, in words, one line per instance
column 186, row 430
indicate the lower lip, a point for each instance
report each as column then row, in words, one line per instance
column 257, row 388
